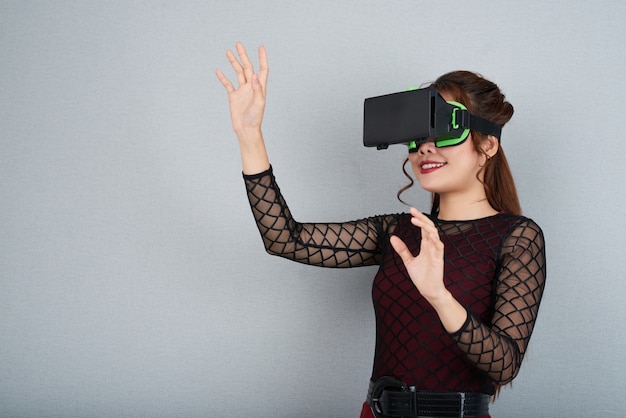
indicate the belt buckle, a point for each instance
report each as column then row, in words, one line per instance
column 377, row 391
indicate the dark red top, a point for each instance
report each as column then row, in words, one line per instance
column 494, row 267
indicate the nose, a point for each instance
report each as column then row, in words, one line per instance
column 426, row 147
column 423, row 149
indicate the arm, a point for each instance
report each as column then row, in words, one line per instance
column 499, row 348
column 346, row 244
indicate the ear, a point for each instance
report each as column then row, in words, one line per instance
column 491, row 146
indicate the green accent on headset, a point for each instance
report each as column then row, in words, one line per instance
column 446, row 141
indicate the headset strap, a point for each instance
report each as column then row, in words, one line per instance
column 476, row 123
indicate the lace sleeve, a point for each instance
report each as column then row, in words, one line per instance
column 499, row 349
column 346, row 244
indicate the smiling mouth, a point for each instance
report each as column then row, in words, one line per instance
column 430, row 166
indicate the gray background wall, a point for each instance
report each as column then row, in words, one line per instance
column 132, row 279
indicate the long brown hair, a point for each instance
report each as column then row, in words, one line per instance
column 482, row 98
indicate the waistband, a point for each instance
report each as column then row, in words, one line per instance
column 389, row 397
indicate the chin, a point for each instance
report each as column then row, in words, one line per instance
column 429, row 186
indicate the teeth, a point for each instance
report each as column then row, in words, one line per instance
column 431, row 165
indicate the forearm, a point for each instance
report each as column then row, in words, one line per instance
column 482, row 345
column 489, row 350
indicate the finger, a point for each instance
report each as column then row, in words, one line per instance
column 259, row 95
column 432, row 240
column 422, row 221
column 225, row 81
column 418, row 214
column 431, row 245
column 400, row 247
column 241, row 77
column 248, row 70
column 263, row 66
column 435, row 247
column 438, row 243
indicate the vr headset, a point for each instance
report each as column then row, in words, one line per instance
column 418, row 116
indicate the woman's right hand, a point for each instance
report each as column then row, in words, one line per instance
column 247, row 104
column 247, row 101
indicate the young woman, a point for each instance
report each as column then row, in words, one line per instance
column 457, row 292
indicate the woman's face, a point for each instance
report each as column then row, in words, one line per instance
column 450, row 169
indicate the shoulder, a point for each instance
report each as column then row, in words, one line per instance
column 523, row 232
column 522, row 224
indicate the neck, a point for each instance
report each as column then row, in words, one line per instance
column 463, row 207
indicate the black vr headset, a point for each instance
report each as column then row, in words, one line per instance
column 417, row 116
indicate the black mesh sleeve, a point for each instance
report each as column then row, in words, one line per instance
column 498, row 348
column 345, row 244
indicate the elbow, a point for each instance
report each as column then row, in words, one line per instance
column 509, row 372
column 271, row 247
column 505, row 378
column 278, row 249
column 271, row 252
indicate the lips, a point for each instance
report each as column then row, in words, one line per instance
column 430, row 166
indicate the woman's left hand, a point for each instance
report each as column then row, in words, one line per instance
column 425, row 270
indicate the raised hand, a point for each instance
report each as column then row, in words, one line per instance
column 247, row 104
column 247, row 101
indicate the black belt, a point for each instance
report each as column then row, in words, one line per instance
column 389, row 397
